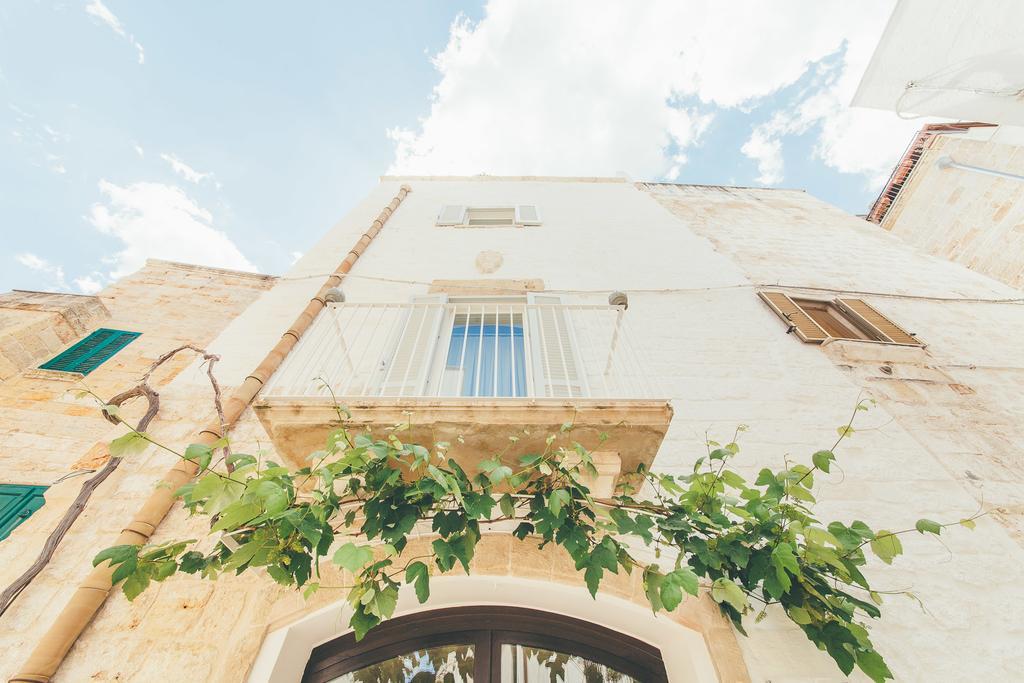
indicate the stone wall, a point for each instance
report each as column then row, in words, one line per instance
column 48, row 431
column 37, row 325
column 970, row 218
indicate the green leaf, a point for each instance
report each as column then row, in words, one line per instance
column 886, row 545
column 686, row 579
column 872, row 664
column 724, row 590
column 845, row 430
column 235, row 515
column 823, row 459
column 507, row 505
column 499, row 474
column 671, row 594
column 353, row 557
column 134, row 585
column 128, row 444
column 928, row 526
column 418, row 574
column 653, row 580
column 242, row 555
column 200, row 453
column 592, row 576
column 116, row 554
column 362, row 621
column 967, row 523
column 124, row 569
column 557, row 500
column 191, row 562
column 799, row 615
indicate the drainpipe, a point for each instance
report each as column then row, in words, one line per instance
column 93, row 591
column 947, row 162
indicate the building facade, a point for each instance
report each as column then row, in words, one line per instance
column 657, row 313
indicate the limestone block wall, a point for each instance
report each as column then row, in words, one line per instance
column 37, row 325
column 48, row 433
column 970, row 218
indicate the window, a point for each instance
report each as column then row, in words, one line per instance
column 488, row 216
column 490, row 350
column 486, row 644
column 17, row 503
column 501, row 347
column 815, row 320
column 91, row 352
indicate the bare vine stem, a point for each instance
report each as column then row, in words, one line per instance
column 140, row 390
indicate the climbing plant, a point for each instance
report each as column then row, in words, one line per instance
column 751, row 544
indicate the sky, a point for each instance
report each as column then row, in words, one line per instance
column 235, row 133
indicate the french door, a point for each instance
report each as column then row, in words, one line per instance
column 486, row 645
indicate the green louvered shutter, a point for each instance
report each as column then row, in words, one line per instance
column 88, row 354
column 17, row 503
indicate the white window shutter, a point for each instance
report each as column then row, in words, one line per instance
column 556, row 368
column 452, row 214
column 405, row 370
column 527, row 214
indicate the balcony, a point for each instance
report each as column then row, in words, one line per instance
column 471, row 372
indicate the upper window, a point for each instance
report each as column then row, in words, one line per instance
column 488, row 216
column 17, row 503
column 91, row 352
column 477, row 644
column 815, row 320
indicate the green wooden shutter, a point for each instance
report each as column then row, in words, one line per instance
column 17, row 503
column 88, row 354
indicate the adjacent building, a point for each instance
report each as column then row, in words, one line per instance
column 657, row 313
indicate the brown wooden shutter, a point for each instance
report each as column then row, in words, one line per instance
column 889, row 331
column 800, row 322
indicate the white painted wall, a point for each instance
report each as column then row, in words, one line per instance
column 966, row 59
column 689, row 257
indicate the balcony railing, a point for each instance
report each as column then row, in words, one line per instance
column 494, row 349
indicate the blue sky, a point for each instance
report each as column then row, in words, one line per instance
column 235, row 133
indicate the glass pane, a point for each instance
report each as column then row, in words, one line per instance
column 490, row 353
column 522, row 664
column 445, row 664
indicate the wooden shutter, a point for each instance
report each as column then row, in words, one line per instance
column 799, row 322
column 556, row 367
column 17, row 503
column 527, row 214
column 866, row 314
column 452, row 215
column 91, row 352
column 413, row 340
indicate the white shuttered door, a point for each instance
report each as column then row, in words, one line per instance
column 556, row 368
column 405, row 370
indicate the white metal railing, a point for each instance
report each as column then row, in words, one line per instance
column 476, row 348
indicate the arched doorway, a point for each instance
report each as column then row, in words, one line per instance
column 486, row 644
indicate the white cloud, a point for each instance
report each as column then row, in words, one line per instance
column 56, row 164
column 41, row 265
column 296, row 255
column 138, row 150
column 578, row 88
column 861, row 141
column 161, row 221
column 766, row 150
column 88, row 284
column 184, row 170
column 100, row 11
